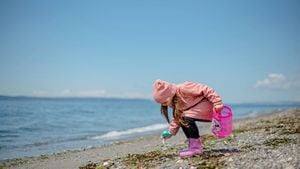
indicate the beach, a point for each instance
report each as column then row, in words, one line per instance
column 267, row 141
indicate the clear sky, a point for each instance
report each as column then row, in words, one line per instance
column 248, row 51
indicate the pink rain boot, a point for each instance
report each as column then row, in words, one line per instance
column 195, row 147
column 187, row 149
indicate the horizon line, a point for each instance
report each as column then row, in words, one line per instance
column 132, row 98
column 72, row 97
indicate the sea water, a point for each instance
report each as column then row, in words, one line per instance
column 36, row 126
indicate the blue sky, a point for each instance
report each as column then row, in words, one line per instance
column 249, row 51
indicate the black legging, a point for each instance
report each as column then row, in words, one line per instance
column 192, row 130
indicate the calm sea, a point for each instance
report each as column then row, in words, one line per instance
column 35, row 126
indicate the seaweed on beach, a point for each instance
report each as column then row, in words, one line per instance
column 209, row 159
column 147, row 160
column 275, row 142
column 282, row 126
column 91, row 165
column 207, row 140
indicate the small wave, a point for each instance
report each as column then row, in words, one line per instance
column 118, row 134
column 253, row 114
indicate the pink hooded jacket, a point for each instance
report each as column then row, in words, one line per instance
column 197, row 101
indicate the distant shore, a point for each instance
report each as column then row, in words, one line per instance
column 268, row 141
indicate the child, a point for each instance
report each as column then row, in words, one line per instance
column 190, row 102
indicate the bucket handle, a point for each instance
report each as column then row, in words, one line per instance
column 219, row 115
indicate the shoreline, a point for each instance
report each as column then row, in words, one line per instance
column 116, row 141
column 110, row 155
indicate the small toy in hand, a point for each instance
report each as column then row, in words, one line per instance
column 164, row 135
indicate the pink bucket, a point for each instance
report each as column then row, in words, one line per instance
column 222, row 122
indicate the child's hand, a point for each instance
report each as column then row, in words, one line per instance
column 218, row 108
column 166, row 135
